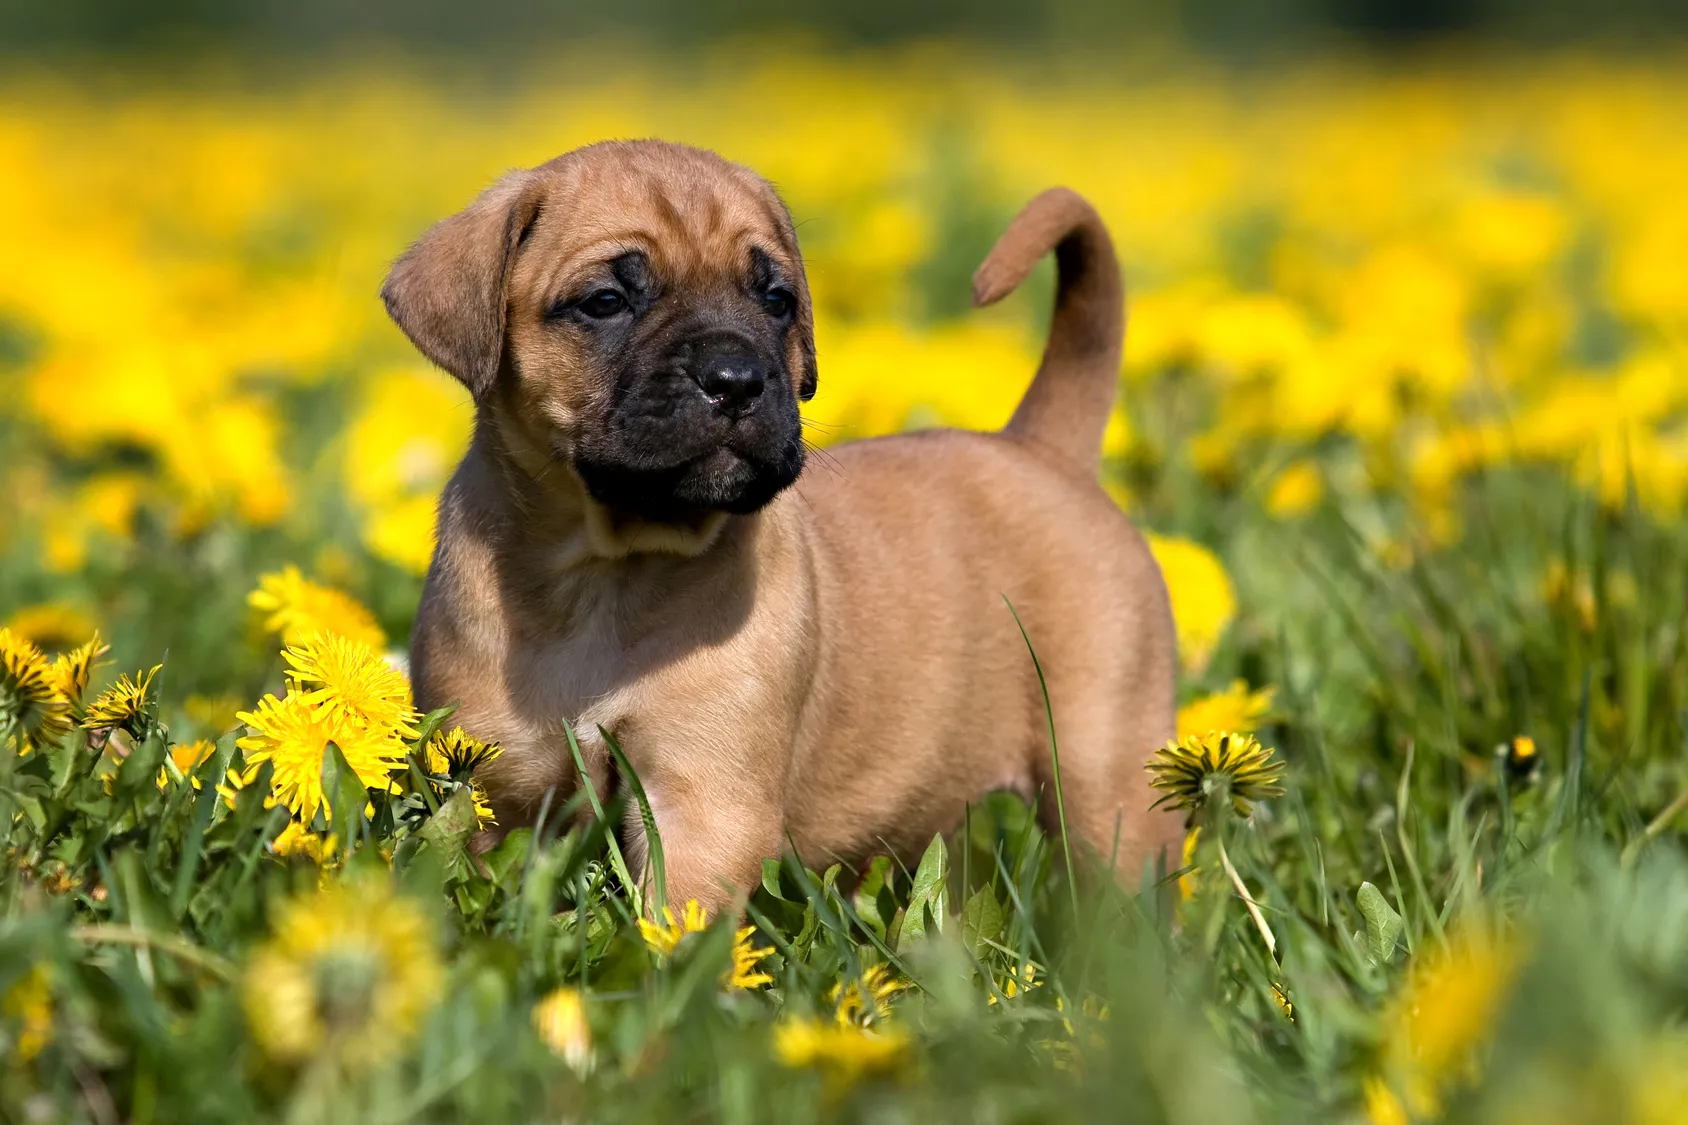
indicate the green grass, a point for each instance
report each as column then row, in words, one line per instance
column 1396, row 687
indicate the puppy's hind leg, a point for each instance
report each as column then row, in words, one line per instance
column 1104, row 787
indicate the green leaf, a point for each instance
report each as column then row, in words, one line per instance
column 874, row 905
column 431, row 724
column 205, row 806
column 771, row 880
column 929, row 893
column 346, row 797
column 981, row 922
column 447, row 833
column 1383, row 924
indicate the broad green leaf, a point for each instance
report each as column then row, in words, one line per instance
column 928, row 894
column 876, row 886
column 1383, row 924
column 431, row 724
column 447, row 832
column 981, row 922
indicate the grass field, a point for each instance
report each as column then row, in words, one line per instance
column 1405, row 408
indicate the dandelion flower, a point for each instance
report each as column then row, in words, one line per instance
column 1236, row 708
column 866, row 1001
column 123, row 704
column 299, row 609
column 1203, row 601
column 663, row 937
column 29, row 1002
column 1444, row 1015
column 1281, row 995
column 746, row 971
column 32, row 710
column 844, row 1051
column 72, row 669
column 293, row 733
column 187, row 757
column 53, row 626
column 295, row 839
column 1190, row 771
column 457, row 755
column 350, row 680
column 1295, row 491
column 560, row 1020
column 350, row 971
column 1017, row 981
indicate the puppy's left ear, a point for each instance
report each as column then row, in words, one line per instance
column 807, row 376
column 803, row 341
column 448, row 291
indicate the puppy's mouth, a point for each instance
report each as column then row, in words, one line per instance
column 723, row 479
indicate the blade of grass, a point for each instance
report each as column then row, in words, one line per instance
column 653, row 838
column 1054, row 759
column 616, row 860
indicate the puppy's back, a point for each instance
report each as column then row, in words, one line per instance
column 922, row 540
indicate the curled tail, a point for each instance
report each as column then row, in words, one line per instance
column 1067, row 406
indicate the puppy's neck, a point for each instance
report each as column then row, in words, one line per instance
column 553, row 502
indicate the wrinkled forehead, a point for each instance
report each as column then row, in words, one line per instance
column 696, row 223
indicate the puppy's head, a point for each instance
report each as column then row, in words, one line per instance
column 637, row 311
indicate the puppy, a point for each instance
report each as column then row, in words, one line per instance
column 821, row 660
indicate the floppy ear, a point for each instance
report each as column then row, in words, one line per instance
column 807, row 374
column 804, row 344
column 447, row 291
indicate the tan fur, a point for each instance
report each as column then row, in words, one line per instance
column 837, row 671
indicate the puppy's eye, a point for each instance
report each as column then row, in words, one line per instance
column 602, row 304
column 778, row 303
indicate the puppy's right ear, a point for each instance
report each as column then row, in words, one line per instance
column 447, row 291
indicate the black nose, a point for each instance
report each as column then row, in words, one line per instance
column 732, row 382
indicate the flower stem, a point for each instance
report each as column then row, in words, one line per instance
column 178, row 947
column 1248, row 901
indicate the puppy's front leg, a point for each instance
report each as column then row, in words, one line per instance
column 715, row 830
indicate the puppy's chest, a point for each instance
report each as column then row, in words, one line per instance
column 575, row 662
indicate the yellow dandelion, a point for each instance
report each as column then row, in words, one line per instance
column 1193, row 770
column 1187, row 881
column 1443, row 1017
column 1281, row 995
column 1382, row 1106
column 72, row 669
column 123, row 704
column 32, row 710
column 456, row 755
column 1016, row 982
column 29, row 1003
column 349, row 972
column 746, row 970
column 664, row 936
column 298, row 609
column 866, row 1001
column 350, row 680
column 187, row 757
column 293, row 733
column 1295, row 491
column 1236, row 708
column 1203, row 601
column 236, row 780
column 844, row 1051
column 295, row 839
column 560, row 1020
column 51, row 626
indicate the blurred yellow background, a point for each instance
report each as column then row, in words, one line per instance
column 1450, row 263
